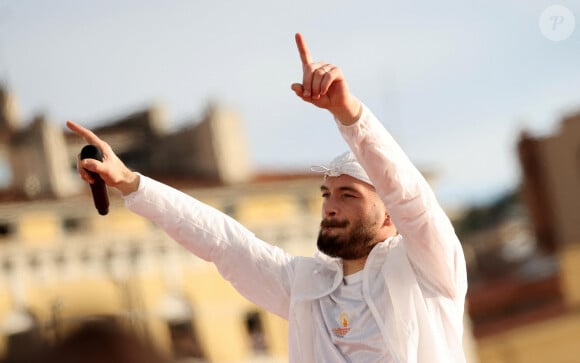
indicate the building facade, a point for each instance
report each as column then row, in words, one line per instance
column 550, row 168
column 62, row 264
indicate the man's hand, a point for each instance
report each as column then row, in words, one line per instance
column 324, row 86
column 112, row 170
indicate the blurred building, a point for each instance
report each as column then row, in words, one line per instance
column 62, row 264
column 551, row 176
column 529, row 310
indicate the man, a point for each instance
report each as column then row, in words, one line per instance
column 376, row 292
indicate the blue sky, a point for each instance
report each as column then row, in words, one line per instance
column 454, row 81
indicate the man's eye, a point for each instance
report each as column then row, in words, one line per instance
column 325, row 195
column 348, row 196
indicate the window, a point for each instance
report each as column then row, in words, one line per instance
column 184, row 340
column 7, row 230
column 255, row 330
column 230, row 209
column 73, row 224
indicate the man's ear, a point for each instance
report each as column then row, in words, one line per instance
column 388, row 222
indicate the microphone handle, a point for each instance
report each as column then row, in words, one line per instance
column 100, row 194
column 98, row 188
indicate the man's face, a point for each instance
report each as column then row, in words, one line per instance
column 352, row 218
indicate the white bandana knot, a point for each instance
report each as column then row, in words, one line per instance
column 345, row 163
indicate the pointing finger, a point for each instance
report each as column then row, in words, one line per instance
column 89, row 137
column 303, row 49
column 86, row 134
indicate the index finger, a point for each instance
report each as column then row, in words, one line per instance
column 303, row 49
column 86, row 134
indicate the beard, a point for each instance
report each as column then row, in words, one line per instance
column 352, row 245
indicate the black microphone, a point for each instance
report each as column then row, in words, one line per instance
column 98, row 188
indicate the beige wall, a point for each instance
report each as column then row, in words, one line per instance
column 570, row 279
column 554, row 340
column 95, row 276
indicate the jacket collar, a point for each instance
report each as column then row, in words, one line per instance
column 323, row 274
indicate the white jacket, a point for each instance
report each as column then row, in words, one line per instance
column 421, row 270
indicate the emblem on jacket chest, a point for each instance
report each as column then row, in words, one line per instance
column 344, row 325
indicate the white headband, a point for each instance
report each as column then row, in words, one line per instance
column 345, row 163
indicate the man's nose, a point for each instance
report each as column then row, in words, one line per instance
column 330, row 209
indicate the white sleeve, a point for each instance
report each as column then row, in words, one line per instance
column 258, row 270
column 431, row 243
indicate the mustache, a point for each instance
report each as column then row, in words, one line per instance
column 333, row 223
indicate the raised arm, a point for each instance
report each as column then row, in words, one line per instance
column 428, row 235
column 258, row 270
column 430, row 241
